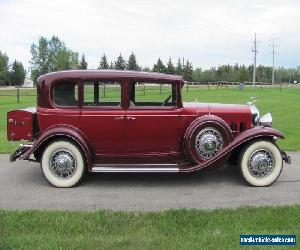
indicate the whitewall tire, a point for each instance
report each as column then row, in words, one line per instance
column 63, row 163
column 260, row 163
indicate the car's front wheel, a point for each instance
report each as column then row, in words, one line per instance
column 62, row 163
column 260, row 163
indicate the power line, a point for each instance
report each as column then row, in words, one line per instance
column 273, row 52
column 255, row 51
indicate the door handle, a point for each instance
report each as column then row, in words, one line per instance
column 119, row 118
column 130, row 118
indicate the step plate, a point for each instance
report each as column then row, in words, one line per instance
column 136, row 168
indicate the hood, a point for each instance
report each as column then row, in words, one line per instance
column 217, row 108
column 226, row 108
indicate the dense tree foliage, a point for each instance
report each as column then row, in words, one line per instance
column 120, row 64
column 17, row 74
column 179, row 67
column 187, row 71
column 132, row 63
column 170, row 67
column 103, row 64
column 83, row 64
column 159, row 66
column 11, row 74
column 51, row 55
column 3, row 69
column 241, row 73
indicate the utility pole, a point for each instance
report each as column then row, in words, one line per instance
column 273, row 59
column 255, row 51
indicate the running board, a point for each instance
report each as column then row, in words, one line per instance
column 135, row 168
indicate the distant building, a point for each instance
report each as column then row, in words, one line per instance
column 28, row 83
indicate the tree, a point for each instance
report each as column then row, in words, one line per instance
column 179, row 67
column 103, row 64
column 159, row 66
column 51, row 55
column 39, row 59
column 132, row 63
column 198, row 75
column 17, row 74
column 83, row 64
column 170, row 67
column 120, row 64
column 188, row 71
column 73, row 60
column 3, row 68
column 244, row 74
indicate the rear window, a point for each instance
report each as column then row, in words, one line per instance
column 65, row 94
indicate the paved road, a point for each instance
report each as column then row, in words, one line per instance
column 22, row 186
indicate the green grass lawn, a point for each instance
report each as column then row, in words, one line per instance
column 284, row 106
column 172, row 229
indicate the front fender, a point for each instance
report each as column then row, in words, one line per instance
column 243, row 138
column 62, row 131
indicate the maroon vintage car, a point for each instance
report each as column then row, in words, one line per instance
column 126, row 121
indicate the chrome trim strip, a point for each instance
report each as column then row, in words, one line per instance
column 136, row 168
column 26, row 145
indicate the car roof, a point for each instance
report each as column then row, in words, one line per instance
column 109, row 74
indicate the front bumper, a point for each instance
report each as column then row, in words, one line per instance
column 19, row 152
column 286, row 157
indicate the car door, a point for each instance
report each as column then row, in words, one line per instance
column 103, row 117
column 152, row 131
column 150, row 127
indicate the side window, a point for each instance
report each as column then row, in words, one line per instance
column 152, row 95
column 65, row 93
column 101, row 94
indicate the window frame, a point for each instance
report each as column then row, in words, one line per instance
column 158, row 82
column 93, row 80
column 57, row 81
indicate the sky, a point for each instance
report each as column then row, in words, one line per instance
column 208, row 33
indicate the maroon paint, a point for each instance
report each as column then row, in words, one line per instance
column 251, row 134
column 63, row 130
column 196, row 126
column 141, row 135
column 20, row 125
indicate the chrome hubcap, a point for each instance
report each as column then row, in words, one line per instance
column 63, row 164
column 209, row 142
column 261, row 163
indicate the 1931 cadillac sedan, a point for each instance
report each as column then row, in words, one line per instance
column 103, row 121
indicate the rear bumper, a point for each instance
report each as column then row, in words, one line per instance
column 19, row 152
column 286, row 157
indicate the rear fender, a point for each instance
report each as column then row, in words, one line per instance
column 241, row 140
column 62, row 131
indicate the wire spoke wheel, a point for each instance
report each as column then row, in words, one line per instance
column 63, row 164
column 261, row 163
column 209, row 142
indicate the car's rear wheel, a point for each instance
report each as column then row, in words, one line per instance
column 260, row 163
column 62, row 163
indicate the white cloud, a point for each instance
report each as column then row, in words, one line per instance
column 206, row 32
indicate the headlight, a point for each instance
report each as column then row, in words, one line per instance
column 254, row 113
column 266, row 120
